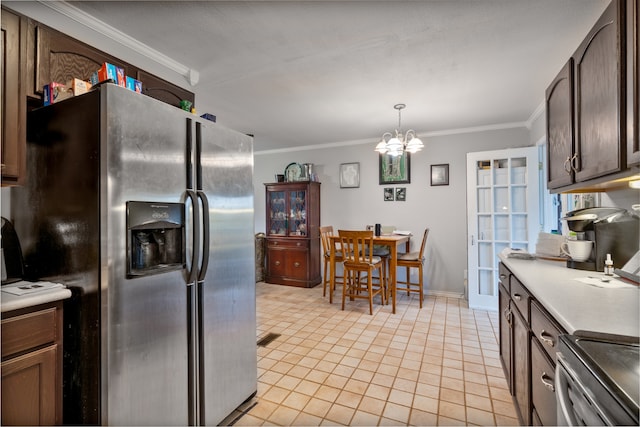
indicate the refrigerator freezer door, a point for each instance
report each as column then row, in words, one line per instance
column 144, row 319
column 228, row 360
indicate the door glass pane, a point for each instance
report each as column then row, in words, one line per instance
column 485, row 228
column 500, row 170
column 501, row 229
column 501, row 200
column 485, row 283
column 484, row 200
column 519, row 227
column 518, row 170
column 483, row 173
column 519, row 199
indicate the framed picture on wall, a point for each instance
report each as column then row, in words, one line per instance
column 349, row 175
column 395, row 169
column 401, row 194
column 440, row 174
column 388, row 194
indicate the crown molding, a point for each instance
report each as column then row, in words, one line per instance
column 62, row 7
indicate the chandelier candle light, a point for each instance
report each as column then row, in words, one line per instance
column 396, row 145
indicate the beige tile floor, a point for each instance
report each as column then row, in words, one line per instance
column 438, row 365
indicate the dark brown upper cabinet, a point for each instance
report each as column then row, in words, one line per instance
column 560, row 128
column 599, row 98
column 633, row 80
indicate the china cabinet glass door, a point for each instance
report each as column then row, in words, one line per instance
column 277, row 214
column 502, row 212
column 298, row 212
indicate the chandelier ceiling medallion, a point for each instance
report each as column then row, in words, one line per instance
column 396, row 145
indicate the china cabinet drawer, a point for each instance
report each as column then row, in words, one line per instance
column 520, row 297
column 287, row 244
column 545, row 330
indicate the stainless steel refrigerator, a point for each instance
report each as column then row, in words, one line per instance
column 146, row 212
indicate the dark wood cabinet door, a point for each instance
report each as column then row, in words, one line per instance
column 560, row 129
column 543, row 396
column 29, row 388
column 60, row 58
column 598, row 87
column 520, row 360
column 633, row 80
column 14, row 105
column 504, row 324
column 162, row 90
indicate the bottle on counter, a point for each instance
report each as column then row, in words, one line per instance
column 608, row 266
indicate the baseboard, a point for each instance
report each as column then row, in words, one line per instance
column 444, row 294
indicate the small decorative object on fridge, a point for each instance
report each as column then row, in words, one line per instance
column 350, row 175
column 440, row 174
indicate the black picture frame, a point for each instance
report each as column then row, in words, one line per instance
column 440, row 174
column 401, row 194
column 389, row 195
column 394, row 169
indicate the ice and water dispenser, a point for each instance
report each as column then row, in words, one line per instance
column 155, row 238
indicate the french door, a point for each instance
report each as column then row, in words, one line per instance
column 502, row 212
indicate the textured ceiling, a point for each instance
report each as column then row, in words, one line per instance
column 298, row 73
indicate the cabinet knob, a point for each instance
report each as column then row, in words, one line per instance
column 296, row 264
column 277, row 263
column 503, row 276
column 517, row 297
column 298, row 244
column 546, row 338
column 547, row 381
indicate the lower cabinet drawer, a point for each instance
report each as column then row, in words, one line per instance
column 31, row 330
column 545, row 330
column 543, row 396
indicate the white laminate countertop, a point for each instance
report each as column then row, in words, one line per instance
column 10, row 302
column 578, row 306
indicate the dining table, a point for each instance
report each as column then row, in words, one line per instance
column 392, row 241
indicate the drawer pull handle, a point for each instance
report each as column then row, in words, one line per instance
column 517, row 297
column 298, row 244
column 547, row 381
column 546, row 338
column 275, row 243
column 296, row 264
column 277, row 262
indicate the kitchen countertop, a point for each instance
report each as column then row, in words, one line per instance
column 578, row 306
column 10, row 302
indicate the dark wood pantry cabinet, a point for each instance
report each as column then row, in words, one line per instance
column 293, row 233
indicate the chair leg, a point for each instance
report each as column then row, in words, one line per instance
column 420, row 283
column 324, row 279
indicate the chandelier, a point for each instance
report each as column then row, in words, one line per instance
column 395, row 145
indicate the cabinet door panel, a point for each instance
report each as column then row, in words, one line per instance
column 633, row 81
column 13, row 123
column 29, row 388
column 505, row 334
column 598, row 99
column 543, row 394
column 560, row 142
column 521, row 373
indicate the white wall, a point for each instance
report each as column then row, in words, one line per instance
column 441, row 208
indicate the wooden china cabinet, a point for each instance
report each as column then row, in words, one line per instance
column 293, row 235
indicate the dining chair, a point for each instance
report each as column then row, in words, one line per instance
column 325, row 237
column 412, row 260
column 359, row 267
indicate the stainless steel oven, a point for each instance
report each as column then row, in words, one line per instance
column 597, row 380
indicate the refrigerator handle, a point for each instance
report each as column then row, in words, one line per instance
column 206, row 235
column 198, row 156
column 189, row 145
column 195, row 254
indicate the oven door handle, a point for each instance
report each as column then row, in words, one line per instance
column 562, row 390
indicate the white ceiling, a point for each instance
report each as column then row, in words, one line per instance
column 298, row 73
